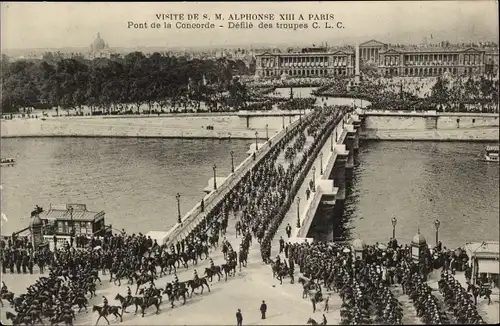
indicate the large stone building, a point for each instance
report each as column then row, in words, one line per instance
column 313, row 62
column 388, row 60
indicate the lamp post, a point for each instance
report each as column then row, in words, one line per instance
column 283, row 121
column 314, row 178
column 394, row 222
column 215, row 176
column 331, row 143
column 437, row 223
column 298, row 212
column 232, row 161
column 267, row 132
column 72, row 222
column 256, row 144
column 321, row 163
column 178, row 197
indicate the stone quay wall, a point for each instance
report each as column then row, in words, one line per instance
column 430, row 125
column 208, row 125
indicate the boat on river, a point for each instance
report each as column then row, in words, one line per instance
column 7, row 161
column 491, row 154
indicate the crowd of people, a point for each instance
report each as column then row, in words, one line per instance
column 364, row 277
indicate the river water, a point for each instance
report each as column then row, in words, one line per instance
column 417, row 182
column 133, row 180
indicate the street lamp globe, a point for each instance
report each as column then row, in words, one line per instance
column 394, row 221
column 437, row 223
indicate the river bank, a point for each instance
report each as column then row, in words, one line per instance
column 189, row 126
column 464, row 134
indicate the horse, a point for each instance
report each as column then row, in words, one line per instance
column 81, row 301
column 228, row 268
column 142, row 279
column 9, row 296
column 200, row 282
column 307, row 287
column 18, row 320
column 156, row 293
column 112, row 310
column 243, row 258
column 214, row 240
column 168, row 261
column 153, row 301
column 202, row 249
column 126, row 303
column 35, row 314
column 210, row 272
column 181, row 291
column 67, row 318
column 311, row 321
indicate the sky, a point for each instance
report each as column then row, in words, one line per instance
column 58, row 25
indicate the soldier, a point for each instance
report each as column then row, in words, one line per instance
column 195, row 276
column 175, row 283
column 104, row 305
column 212, row 265
column 238, row 228
column 282, row 244
column 129, row 295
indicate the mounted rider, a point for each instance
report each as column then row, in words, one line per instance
column 212, row 265
column 150, row 291
column 129, row 295
column 175, row 283
column 195, row 276
column 4, row 288
column 105, row 305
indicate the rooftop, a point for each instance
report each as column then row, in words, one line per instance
column 438, row 49
column 485, row 248
column 77, row 215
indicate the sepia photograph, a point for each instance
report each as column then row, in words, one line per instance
column 249, row 163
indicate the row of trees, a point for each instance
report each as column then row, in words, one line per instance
column 456, row 95
column 106, row 85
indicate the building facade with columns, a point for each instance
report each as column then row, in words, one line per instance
column 434, row 61
column 389, row 60
column 313, row 63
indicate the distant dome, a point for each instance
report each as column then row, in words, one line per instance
column 358, row 244
column 98, row 44
column 419, row 239
column 36, row 221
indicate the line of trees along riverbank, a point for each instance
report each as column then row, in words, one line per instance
column 108, row 84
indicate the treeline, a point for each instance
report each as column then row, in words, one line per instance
column 456, row 95
column 108, row 85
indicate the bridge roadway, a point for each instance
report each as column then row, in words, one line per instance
column 195, row 215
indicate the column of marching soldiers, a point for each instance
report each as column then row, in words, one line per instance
column 256, row 202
